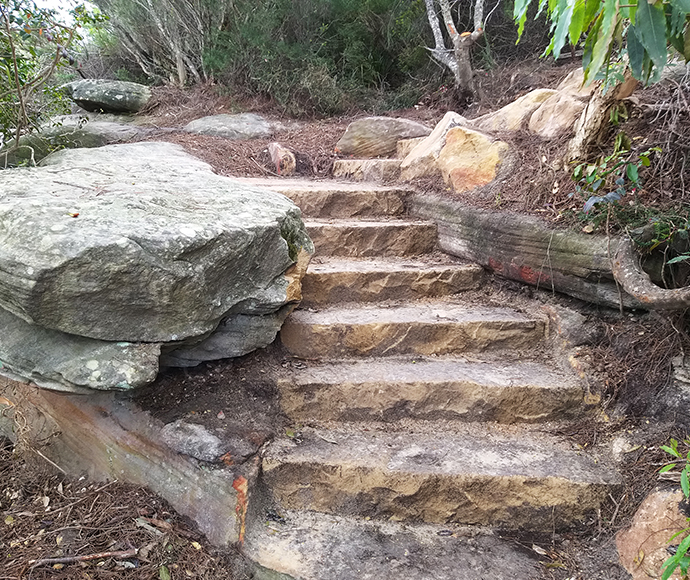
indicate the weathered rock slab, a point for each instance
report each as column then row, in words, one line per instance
column 342, row 280
column 157, row 246
column 367, row 169
column 432, row 327
column 420, row 161
column 480, row 476
column 139, row 245
column 372, row 238
column 67, row 362
column 68, row 132
column 235, row 127
column 108, row 96
column 333, row 199
column 378, row 136
column 448, row 389
column 512, row 116
column 108, row 438
column 556, row 116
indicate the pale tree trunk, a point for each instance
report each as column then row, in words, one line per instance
column 457, row 58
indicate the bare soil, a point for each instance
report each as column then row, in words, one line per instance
column 44, row 514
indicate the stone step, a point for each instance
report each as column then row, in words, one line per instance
column 405, row 146
column 364, row 239
column 331, row 280
column 391, row 389
column 378, row 170
column 424, row 328
column 333, row 199
column 314, row 546
column 500, row 477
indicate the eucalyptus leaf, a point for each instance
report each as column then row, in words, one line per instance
column 650, row 26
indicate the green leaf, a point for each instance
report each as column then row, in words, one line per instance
column 563, row 15
column 645, row 160
column 520, row 15
column 681, row 5
column 164, row 573
column 631, row 172
column 604, row 37
column 577, row 22
column 650, row 26
column 670, row 466
column 635, row 53
column 682, row 548
column 677, row 260
column 671, row 450
column 684, row 483
column 669, row 566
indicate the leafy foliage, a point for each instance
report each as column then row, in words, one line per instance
column 647, row 27
column 680, row 560
column 617, row 173
column 33, row 46
column 321, row 56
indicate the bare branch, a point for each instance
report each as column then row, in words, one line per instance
column 448, row 20
column 435, row 26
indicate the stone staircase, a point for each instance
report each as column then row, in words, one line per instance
column 421, row 417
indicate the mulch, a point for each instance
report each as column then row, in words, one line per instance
column 60, row 528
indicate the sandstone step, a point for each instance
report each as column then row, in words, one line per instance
column 314, row 546
column 454, row 389
column 371, row 238
column 379, row 170
column 424, row 328
column 505, row 478
column 334, row 199
column 405, row 146
column 331, row 280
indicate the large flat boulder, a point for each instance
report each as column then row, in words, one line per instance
column 143, row 243
column 378, row 136
column 235, row 127
column 108, row 96
column 69, row 132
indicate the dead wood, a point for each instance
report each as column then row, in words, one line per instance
column 636, row 282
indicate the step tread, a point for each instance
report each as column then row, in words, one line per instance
column 314, row 546
column 327, row 185
column 428, row 311
column 377, row 223
column 393, row 389
column 436, row 370
column 328, row 264
column 479, row 449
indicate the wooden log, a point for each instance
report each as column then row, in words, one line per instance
column 525, row 249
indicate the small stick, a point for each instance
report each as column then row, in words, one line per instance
column 71, row 559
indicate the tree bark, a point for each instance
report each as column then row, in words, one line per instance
column 457, row 59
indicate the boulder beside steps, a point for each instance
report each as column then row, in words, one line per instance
column 413, row 408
